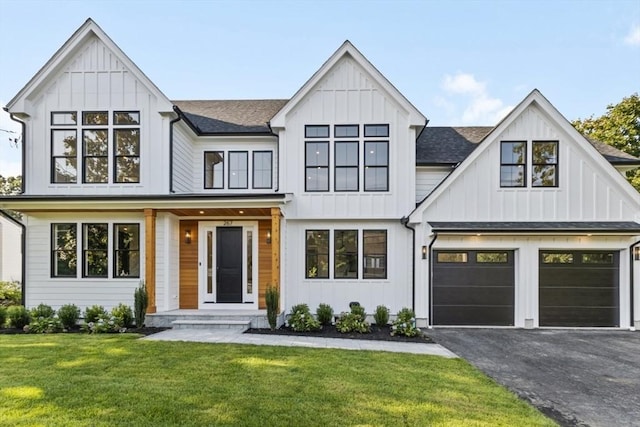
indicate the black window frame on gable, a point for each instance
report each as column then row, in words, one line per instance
column 126, row 146
column 376, row 131
column 316, row 131
column 316, row 167
column 64, row 156
column 508, row 162
column 374, row 164
column 542, row 163
column 242, row 178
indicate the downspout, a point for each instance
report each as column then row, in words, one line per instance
column 405, row 222
column 277, row 186
column 23, row 244
column 632, row 325
column 171, row 123
column 435, row 236
column 24, row 140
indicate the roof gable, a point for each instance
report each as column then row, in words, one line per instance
column 416, row 118
column 83, row 35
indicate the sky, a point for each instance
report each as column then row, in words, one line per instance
column 459, row 62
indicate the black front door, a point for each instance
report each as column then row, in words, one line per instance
column 229, row 264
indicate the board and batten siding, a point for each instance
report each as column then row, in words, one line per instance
column 83, row 292
column 586, row 192
column 428, row 178
column 349, row 95
column 95, row 79
column 395, row 291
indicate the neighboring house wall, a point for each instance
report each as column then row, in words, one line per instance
column 10, row 251
column 428, row 178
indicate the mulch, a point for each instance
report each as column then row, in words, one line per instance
column 376, row 334
column 142, row 331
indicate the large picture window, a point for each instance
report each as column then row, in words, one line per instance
column 544, row 171
column 374, row 254
column 345, row 259
column 95, row 250
column 317, row 254
column 513, row 163
column 126, row 250
column 64, row 244
column 317, row 166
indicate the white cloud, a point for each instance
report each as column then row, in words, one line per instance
column 479, row 107
column 633, row 38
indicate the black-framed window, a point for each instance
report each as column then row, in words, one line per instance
column 262, row 169
column 316, row 131
column 374, row 254
column 64, row 156
column 238, row 164
column 64, row 118
column 64, row 254
column 126, row 118
column 316, row 166
column 95, row 156
column 544, row 164
column 346, row 131
column 127, row 155
column 317, row 254
column 513, row 163
column 376, row 165
column 346, row 166
column 126, row 250
column 95, row 118
column 214, row 169
column 376, row 131
column 95, row 247
column 452, row 257
column 345, row 258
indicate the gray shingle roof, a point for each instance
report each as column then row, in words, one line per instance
column 451, row 145
column 580, row 226
column 231, row 116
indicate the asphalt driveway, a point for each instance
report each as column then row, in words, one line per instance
column 576, row 377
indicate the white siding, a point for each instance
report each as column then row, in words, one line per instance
column 167, row 262
column 428, row 178
column 95, row 79
column 83, row 292
column 182, row 159
column 395, row 292
column 10, row 251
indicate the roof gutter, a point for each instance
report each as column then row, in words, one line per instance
column 632, row 325
column 24, row 140
column 171, row 123
column 405, row 221
column 23, row 244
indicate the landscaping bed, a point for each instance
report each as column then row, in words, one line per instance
column 142, row 331
column 377, row 333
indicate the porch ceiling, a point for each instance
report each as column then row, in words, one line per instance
column 221, row 212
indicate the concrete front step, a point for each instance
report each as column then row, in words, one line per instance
column 240, row 325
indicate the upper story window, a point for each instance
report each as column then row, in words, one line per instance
column 237, row 167
column 100, row 137
column 544, row 163
column 514, row 160
column 344, row 152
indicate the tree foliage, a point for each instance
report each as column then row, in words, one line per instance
column 8, row 186
column 619, row 127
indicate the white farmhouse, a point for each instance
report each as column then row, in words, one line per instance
column 342, row 193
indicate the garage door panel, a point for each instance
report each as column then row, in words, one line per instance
column 480, row 276
column 583, row 297
column 473, row 316
column 471, row 295
column 576, row 277
column 580, row 317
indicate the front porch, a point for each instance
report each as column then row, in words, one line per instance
column 210, row 319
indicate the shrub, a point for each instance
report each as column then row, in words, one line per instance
column 3, row 316
column 381, row 315
column 355, row 321
column 45, row 325
column 140, row 302
column 10, row 293
column 301, row 319
column 324, row 314
column 122, row 315
column 405, row 324
column 93, row 313
column 18, row 316
column 103, row 324
column 69, row 315
column 42, row 310
column 272, row 298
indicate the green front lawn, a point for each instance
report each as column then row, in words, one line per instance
column 118, row 380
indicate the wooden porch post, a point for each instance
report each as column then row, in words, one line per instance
column 275, row 247
column 150, row 257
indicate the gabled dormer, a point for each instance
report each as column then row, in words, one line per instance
column 94, row 123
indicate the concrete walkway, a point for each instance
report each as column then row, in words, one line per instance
column 236, row 337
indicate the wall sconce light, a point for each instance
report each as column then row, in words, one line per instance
column 269, row 237
column 187, row 237
column 636, row 253
column 424, row 252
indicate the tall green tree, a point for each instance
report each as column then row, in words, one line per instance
column 619, row 127
column 11, row 185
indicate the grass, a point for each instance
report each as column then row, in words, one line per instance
column 118, row 380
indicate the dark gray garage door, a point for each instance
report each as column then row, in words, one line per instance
column 473, row 288
column 579, row 288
